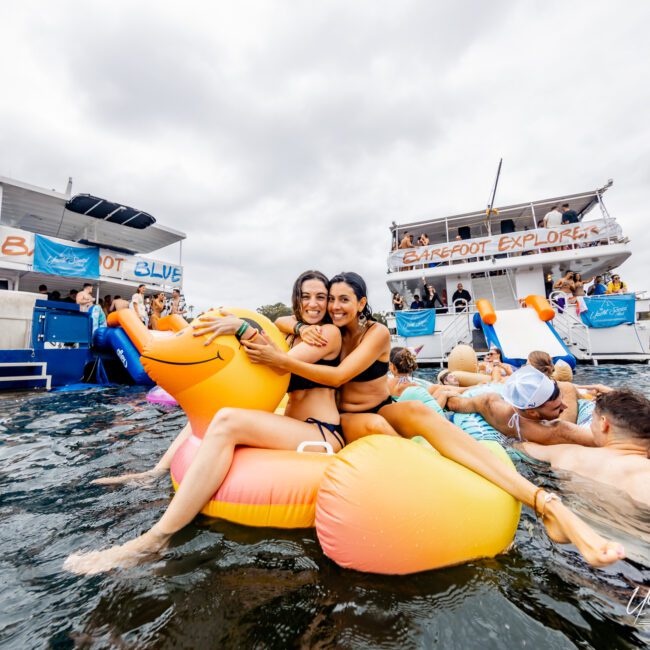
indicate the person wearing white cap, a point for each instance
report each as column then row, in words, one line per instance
column 529, row 410
column 621, row 458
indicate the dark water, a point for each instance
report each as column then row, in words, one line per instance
column 223, row 585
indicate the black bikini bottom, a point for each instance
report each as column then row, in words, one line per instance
column 375, row 409
column 335, row 429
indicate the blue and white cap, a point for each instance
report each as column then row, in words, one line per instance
column 528, row 388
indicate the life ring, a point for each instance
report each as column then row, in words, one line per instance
column 386, row 505
column 264, row 487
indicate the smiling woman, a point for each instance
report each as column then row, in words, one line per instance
column 369, row 409
column 311, row 414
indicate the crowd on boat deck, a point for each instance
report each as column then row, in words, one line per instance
column 431, row 299
column 148, row 308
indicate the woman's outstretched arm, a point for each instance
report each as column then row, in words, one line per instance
column 375, row 344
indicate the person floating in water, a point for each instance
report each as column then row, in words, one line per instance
column 621, row 457
column 529, row 409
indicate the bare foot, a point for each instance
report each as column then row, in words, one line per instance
column 136, row 477
column 564, row 527
column 124, row 556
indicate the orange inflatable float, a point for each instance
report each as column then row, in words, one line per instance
column 389, row 505
column 264, row 487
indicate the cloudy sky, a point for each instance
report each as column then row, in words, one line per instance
column 282, row 136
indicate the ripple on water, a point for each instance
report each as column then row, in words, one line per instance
column 225, row 585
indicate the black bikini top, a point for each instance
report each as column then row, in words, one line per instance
column 300, row 383
column 374, row 371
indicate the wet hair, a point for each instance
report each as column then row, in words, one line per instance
column 541, row 361
column 629, row 409
column 443, row 376
column 296, row 292
column 358, row 285
column 403, row 360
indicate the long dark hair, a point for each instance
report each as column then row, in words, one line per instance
column 296, row 292
column 358, row 285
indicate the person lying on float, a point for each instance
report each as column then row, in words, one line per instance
column 529, row 410
column 620, row 458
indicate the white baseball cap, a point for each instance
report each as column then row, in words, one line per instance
column 528, row 388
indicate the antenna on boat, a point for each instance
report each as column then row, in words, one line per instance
column 490, row 208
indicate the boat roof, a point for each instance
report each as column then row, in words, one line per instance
column 83, row 218
column 582, row 203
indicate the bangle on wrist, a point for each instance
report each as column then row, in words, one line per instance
column 297, row 327
column 242, row 328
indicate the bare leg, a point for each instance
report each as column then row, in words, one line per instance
column 230, row 427
column 412, row 419
column 161, row 467
column 359, row 425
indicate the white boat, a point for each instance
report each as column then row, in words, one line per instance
column 62, row 241
column 503, row 258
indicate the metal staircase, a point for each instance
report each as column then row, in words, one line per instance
column 458, row 331
column 32, row 372
column 498, row 289
column 570, row 328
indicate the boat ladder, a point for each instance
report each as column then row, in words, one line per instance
column 458, row 331
column 571, row 328
column 25, row 371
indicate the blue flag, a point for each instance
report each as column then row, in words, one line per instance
column 68, row 261
column 416, row 323
column 609, row 310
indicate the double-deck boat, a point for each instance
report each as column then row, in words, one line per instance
column 63, row 241
column 504, row 256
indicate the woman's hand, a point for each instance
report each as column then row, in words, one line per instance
column 228, row 324
column 263, row 350
column 313, row 335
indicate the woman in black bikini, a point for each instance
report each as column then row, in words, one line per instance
column 366, row 407
column 311, row 414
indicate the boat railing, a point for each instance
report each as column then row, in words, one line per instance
column 610, row 233
column 458, row 331
column 569, row 325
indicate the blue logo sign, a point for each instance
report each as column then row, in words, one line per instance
column 609, row 310
column 68, row 261
column 416, row 323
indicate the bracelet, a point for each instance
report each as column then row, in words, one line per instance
column 242, row 328
column 297, row 327
column 550, row 496
column 537, row 491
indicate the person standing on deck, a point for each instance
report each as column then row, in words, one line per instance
column 85, row 298
column 553, row 218
column 177, row 304
column 137, row 303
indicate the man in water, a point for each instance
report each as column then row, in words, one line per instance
column 529, row 410
column 620, row 458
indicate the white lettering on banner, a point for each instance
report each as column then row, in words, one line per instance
column 516, row 242
column 18, row 246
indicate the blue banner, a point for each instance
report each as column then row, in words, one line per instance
column 69, row 261
column 609, row 310
column 416, row 323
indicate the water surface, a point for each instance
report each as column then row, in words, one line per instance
column 223, row 585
